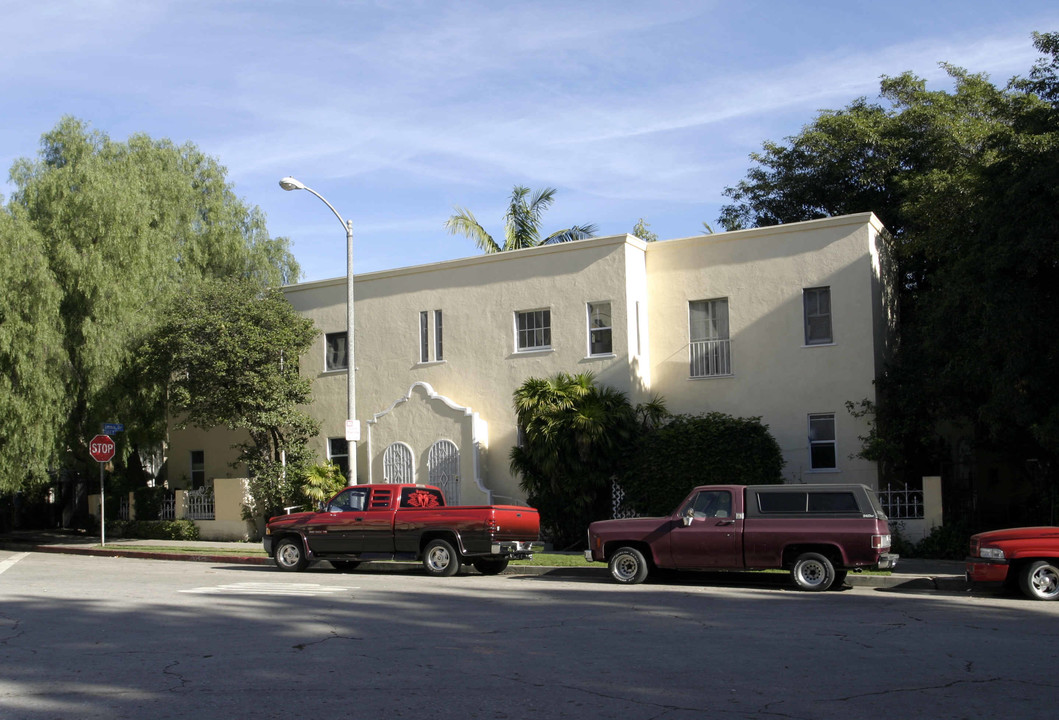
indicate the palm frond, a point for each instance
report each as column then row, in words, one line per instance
column 464, row 223
column 577, row 232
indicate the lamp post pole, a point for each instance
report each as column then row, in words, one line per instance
column 352, row 426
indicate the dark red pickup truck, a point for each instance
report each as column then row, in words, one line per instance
column 817, row 532
column 387, row 521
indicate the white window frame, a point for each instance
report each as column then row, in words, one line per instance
column 336, row 458
column 425, row 343
column 331, row 356
column 711, row 354
column 604, row 330
column 813, row 318
column 439, row 355
column 822, row 442
column 541, row 331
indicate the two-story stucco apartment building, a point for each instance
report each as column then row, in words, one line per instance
column 786, row 323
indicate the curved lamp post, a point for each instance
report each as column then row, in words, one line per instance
column 352, row 427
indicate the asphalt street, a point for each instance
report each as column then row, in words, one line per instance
column 115, row 637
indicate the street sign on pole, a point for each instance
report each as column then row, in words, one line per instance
column 113, row 428
column 101, row 448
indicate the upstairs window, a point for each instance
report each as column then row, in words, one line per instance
column 817, row 305
column 336, row 356
column 709, row 341
column 439, row 354
column 599, row 329
column 533, row 330
column 198, row 469
column 424, row 336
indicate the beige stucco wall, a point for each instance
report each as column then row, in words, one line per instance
column 775, row 375
column 467, row 396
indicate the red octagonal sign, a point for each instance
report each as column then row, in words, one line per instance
column 101, row 448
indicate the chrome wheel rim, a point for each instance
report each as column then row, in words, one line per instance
column 1045, row 581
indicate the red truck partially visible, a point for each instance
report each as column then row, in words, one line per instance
column 1027, row 556
column 817, row 532
column 402, row 520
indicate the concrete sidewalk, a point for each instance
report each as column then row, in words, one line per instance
column 910, row 574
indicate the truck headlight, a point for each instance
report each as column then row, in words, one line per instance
column 991, row 553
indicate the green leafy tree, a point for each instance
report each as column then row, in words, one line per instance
column 642, row 230
column 689, row 450
column 966, row 181
column 576, row 435
column 227, row 356
column 522, row 223
column 112, row 231
column 33, row 403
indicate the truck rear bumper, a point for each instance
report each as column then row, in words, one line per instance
column 515, row 549
column 888, row 561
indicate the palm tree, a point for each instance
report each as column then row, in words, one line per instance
column 522, row 223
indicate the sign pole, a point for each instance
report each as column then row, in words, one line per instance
column 101, row 448
column 102, row 509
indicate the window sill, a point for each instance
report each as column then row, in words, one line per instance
column 338, row 371
column 534, row 351
column 816, row 345
column 601, row 356
column 428, row 363
column 710, row 377
column 823, row 471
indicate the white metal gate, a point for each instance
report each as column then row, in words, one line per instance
column 397, row 464
column 444, row 465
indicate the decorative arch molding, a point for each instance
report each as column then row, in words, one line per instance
column 478, row 429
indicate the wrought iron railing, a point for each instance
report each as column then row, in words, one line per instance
column 710, row 358
column 168, row 511
column 902, row 503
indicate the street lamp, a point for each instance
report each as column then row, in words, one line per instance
column 352, row 427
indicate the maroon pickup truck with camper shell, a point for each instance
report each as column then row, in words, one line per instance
column 817, row 532
column 1028, row 556
column 400, row 520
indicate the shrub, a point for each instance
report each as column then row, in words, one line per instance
column 690, row 450
column 154, row 529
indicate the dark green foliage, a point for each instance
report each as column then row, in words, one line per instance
column 227, row 356
column 576, row 436
column 147, row 502
column 690, row 450
column 968, row 183
column 153, row 529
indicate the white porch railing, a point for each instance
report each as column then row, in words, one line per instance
column 199, row 504
column 710, row 358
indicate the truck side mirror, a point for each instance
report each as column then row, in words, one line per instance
column 689, row 515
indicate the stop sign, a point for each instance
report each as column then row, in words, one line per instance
column 101, row 448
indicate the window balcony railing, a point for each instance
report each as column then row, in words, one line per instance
column 710, row 358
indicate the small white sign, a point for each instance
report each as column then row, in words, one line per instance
column 352, row 430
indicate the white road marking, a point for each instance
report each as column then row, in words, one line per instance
column 291, row 589
column 11, row 561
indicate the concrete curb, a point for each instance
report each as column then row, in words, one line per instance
column 929, row 583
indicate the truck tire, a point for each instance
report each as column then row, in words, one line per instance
column 1039, row 580
column 345, row 565
column 290, row 556
column 628, row 566
column 490, row 566
column 441, row 559
column 813, row 572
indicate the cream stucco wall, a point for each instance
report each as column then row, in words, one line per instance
column 762, row 273
column 466, row 397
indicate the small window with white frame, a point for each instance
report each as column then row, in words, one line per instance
column 425, row 336
column 817, row 313
column 338, row 454
column 336, row 355
column 600, row 338
column 823, row 447
column 709, row 340
column 533, row 330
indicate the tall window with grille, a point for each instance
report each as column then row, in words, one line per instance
column 599, row 329
column 198, row 469
column 710, row 343
column 533, row 330
column 817, row 305
column 425, row 336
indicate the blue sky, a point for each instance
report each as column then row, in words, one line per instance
column 398, row 111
